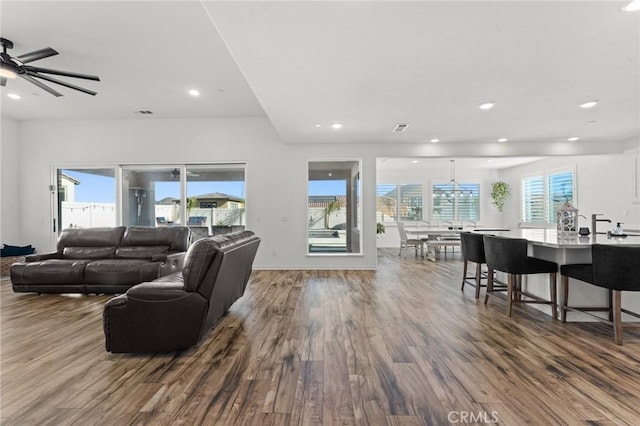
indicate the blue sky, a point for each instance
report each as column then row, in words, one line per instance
column 101, row 189
column 327, row 187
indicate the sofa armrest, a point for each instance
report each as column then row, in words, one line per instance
column 157, row 291
column 154, row 317
column 172, row 262
column 43, row 256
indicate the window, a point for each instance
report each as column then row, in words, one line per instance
column 333, row 212
column 396, row 202
column 461, row 204
column 86, row 197
column 560, row 192
column 543, row 194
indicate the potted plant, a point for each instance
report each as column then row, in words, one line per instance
column 379, row 228
column 499, row 193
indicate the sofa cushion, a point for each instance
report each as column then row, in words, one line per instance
column 90, row 237
column 53, row 271
column 140, row 252
column 197, row 262
column 88, row 252
column 120, row 272
column 176, row 237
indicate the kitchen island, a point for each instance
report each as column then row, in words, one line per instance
column 548, row 245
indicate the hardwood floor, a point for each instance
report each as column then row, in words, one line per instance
column 398, row 346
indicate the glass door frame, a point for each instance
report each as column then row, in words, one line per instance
column 54, row 191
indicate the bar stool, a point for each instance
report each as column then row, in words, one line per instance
column 616, row 268
column 472, row 247
column 509, row 255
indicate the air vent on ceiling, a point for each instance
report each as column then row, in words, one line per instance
column 144, row 112
column 400, row 127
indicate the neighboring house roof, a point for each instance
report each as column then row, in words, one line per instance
column 211, row 195
column 219, row 195
column 70, row 179
column 167, row 201
column 325, row 200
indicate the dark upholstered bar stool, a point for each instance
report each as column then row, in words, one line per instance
column 472, row 251
column 616, row 268
column 509, row 255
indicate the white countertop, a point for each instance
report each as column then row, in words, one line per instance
column 549, row 238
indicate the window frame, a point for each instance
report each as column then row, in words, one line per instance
column 399, row 205
column 547, row 213
column 456, row 210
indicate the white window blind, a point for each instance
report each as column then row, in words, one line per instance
column 395, row 202
column 386, row 203
column 543, row 195
column 469, row 202
column 533, row 199
column 453, row 206
column 410, row 202
column 560, row 192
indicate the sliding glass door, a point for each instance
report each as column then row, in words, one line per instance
column 207, row 196
column 151, row 195
column 86, row 198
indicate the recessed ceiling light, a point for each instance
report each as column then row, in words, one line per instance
column 573, row 138
column 194, row 92
column 490, row 161
column 502, row 140
column 415, row 161
column 633, row 6
column 336, row 125
column 434, row 140
column 486, row 105
column 14, row 96
column 317, row 125
column 589, row 104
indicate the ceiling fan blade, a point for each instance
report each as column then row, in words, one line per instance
column 63, row 73
column 62, row 83
column 40, row 85
column 3, row 81
column 36, row 54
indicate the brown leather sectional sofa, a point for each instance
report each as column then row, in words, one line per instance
column 103, row 260
column 175, row 311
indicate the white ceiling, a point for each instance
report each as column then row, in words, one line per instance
column 367, row 65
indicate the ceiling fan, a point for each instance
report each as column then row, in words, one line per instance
column 12, row 67
column 175, row 173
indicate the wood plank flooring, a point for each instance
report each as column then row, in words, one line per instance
column 398, row 346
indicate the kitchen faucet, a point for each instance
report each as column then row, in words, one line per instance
column 594, row 220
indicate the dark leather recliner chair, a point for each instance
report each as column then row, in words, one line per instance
column 175, row 311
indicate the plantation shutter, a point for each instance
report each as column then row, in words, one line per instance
column 386, row 203
column 469, row 202
column 560, row 191
column 411, row 202
column 533, row 199
column 443, row 200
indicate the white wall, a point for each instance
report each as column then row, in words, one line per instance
column 10, row 218
column 276, row 175
column 604, row 184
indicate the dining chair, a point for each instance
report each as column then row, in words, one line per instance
column 509, row 255
column 405, row 242
column 615, row 268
